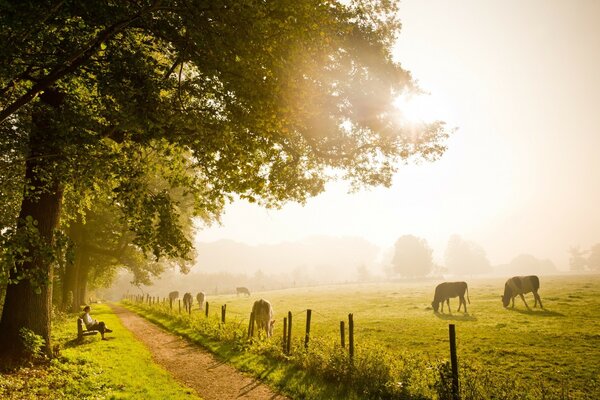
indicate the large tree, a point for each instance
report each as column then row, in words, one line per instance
column 413, row 258
column 465, row 257
column 269, row 100
column 103, row 235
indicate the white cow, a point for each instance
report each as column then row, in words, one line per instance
column 263, row 316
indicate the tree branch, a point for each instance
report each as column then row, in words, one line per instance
column 73, row 62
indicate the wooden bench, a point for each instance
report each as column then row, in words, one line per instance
column 81, row 332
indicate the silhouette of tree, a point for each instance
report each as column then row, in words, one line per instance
column 465, row 257
column 593, row 261
column 528, row 264
column 412, row 257
column 577, row 261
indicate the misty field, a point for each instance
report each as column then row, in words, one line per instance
column 558, row 346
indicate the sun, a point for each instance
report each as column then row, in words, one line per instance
column 422, row 108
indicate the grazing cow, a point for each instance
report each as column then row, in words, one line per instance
column 173, row 296
column 200, row 297
column 263, row 316
column 188, row 302
column 518, row 286
column 242, row 290
column 444, row 291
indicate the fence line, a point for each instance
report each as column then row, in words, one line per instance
column 287, row 331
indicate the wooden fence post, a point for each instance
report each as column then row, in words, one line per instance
column 179, row 301
column 307, row 336
column 351, row 335
column 171, row 303
column 206, row 312
column 454, row 362
column 285, row 335
column 251, row 326
column 342, row 334
column 223, row 311
column 289, row 335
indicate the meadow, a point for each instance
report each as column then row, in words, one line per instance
column 502, row 353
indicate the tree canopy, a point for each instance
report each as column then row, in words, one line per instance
column 261, row 100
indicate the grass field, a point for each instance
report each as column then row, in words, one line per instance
column 119, row 368
column 558, row 347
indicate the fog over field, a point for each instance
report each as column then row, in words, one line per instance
column 519, row 82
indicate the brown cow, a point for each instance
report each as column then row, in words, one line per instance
column 242, row 290
column 263, row 316
column 188, row 302
column 444, row 291
column 518, row 286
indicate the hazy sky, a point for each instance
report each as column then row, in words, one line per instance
column 520, row 80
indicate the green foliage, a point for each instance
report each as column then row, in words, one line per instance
column 22, row 245
column 32, row 343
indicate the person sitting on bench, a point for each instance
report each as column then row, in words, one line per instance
column 93, row 324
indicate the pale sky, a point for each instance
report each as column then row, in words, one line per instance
column 520, row 80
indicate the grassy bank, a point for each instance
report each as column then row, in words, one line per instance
column 119, row 368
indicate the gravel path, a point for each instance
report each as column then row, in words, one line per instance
column 191, row 365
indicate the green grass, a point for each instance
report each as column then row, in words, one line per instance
column 119, row 368
column 503, row 353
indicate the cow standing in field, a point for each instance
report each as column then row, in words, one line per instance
column 263, row 316
column 518, row 286
column 173, row 296
column 242, row 290
column 444, row 291
column 200, row 297
column 188, row 302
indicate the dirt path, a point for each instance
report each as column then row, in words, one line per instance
column 193, row 366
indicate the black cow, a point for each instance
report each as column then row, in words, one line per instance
column 518, row 286
column 444, row 291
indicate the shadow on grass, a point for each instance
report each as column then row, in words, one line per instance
column 537, row 313
column 455, row 317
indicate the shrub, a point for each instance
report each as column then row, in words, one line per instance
column 32, row 343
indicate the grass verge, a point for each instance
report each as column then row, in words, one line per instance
column 119, row 368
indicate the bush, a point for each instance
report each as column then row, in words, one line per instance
column 32, row 343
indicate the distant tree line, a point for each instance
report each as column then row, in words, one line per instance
column 584, row 260
column 413, row 258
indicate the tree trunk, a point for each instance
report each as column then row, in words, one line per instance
column 70, row 284
column 28, row 299
column 82, row 277
column 28, row 302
